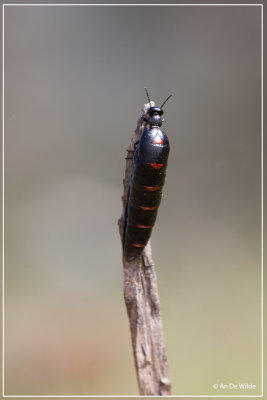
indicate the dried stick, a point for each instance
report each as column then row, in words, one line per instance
column 142, row 303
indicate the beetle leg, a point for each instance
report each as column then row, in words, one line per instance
column 136, row 143
column 132, row 151
column 131, row 157
column 145, row 119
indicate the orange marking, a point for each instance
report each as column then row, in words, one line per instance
column 144, row 226
column 152, row 188
column 148, row 208
column 156, row 166
column 158, row 141
column 138, row 245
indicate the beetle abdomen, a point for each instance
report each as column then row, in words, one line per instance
column 145, row 189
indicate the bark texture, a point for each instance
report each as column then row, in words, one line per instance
column 142, row 303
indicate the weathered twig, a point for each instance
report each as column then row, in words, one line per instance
column 143, row 307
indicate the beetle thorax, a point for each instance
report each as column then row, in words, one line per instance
column 155, row 120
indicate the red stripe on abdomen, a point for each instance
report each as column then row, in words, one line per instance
column 148, row 208
column 156, row 166
column 152, row 188
column 158, row 141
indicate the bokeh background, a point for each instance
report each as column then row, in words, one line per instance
column 74, row 88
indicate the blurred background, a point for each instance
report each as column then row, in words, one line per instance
column 74, row 88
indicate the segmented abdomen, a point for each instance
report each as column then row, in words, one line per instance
column 145, row 190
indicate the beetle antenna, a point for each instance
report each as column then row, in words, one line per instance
column 148, row 96
column 166, row 100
